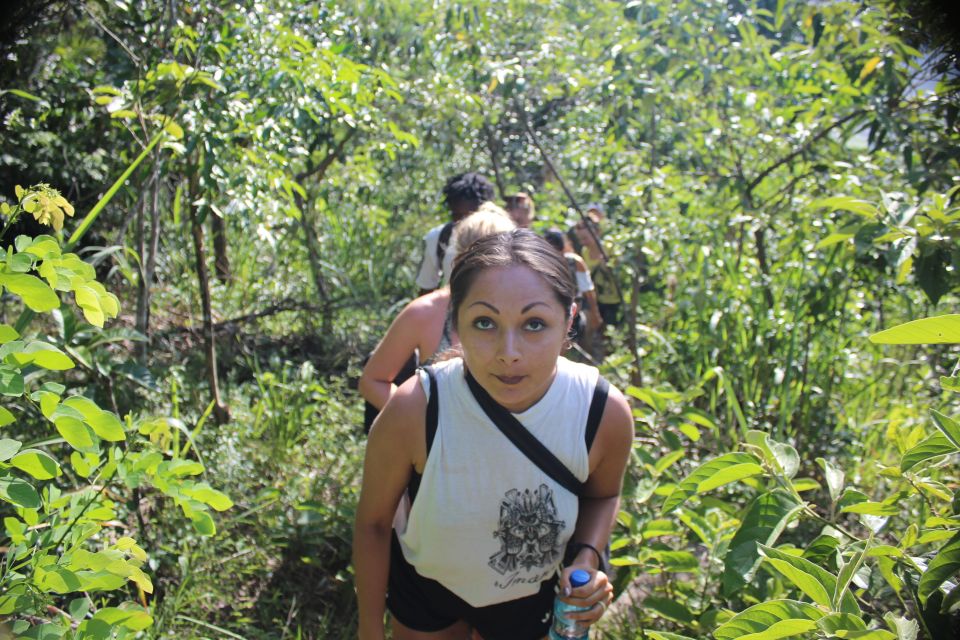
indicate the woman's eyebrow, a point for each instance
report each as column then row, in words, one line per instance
column 532, row 305
column 486, row 304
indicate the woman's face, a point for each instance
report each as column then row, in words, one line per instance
column 512, row 329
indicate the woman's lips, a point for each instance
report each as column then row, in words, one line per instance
column 509, row 380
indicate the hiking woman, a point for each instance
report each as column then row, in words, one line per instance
column 506, row 464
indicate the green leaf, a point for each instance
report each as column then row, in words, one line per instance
column 729, row 474
column 834, row 477
column 39, row 464
column 666, row 635
column 36, row 294
column 8, row 448
column 7, row 333
column 905, row 628
column 938, row 330
column 133, row 619
column 763, row 523
column 6, row 417
column 59, row 580
column 951, row 383
column 846, row 203
column 669, row 608
column 817, row 583
column 104, row 424
column 770, row 620
column 46, row 356
column 933, row 446
column 872, row 508
column 745, row 465
column 847, row 573
column 203, row 523
column 943, row 566
column 208, row 495
column 948, row 426
column 834, row 622
column 76, row 433
column 11, row 381
column 19, row 492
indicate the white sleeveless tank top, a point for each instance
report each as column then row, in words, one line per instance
column 486, row 522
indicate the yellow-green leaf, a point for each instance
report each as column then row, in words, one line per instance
column 869, row 67
column 39, row 464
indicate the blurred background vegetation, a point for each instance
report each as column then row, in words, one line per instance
column 780, row 183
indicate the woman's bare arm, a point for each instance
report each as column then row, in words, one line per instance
column 395, row 447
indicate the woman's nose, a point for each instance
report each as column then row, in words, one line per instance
column 509, row 351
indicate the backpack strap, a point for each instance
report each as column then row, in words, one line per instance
column 521, row 438
column 597, row 406
column 443, row 242
column 430, row 424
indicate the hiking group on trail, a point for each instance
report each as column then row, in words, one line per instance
column 494, row 463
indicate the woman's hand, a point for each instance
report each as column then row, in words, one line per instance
column 594, row 597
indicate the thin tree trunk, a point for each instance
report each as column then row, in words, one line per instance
column 220, row 411
column 147, row 259
column 492, row 147
column 221, row 261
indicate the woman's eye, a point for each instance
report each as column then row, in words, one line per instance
column 483, row 323
column 536, row 324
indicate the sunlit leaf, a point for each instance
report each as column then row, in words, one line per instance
column 937, row 330
column 944, row 565
column 744, row 465
column 771, row 620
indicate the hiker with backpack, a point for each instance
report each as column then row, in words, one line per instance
column 463, row 194
column 421, row 330
column 588, row 316
column 490, row 477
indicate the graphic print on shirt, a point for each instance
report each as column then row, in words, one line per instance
column 528, row 531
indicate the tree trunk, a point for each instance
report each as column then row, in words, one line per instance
column 221, row 261
column 220, row 411
column 148, row 259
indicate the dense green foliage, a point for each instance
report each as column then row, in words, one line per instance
column 251, row 182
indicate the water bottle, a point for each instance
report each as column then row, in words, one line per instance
column 563, row 628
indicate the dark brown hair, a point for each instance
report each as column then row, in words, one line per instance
column 519, row 247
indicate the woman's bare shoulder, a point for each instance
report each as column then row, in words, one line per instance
column 400, row 425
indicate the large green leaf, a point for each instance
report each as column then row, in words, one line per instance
column 669, row 608
column 8, row 448
column 19, row 492
column 948, row 426
column 36, row 294
column 717, row 472
column 938, row 330
column 771, row 620
column 817, row 583
column 945, row 564
column 39, row 464
column 834, row 622
column 763, row 522
column 104, row 424
column 933, row 446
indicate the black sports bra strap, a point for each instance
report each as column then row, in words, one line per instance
column 597, row 405
column 430, row 423
column 432, row 408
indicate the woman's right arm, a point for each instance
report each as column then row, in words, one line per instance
column 387, row 360
column 396, row 445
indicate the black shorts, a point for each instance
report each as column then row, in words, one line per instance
column 423, row 604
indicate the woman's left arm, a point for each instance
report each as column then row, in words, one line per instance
column 600, row 503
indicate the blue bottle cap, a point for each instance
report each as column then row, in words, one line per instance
column 579, row 578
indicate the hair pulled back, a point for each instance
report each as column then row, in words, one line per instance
column 518, row 247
